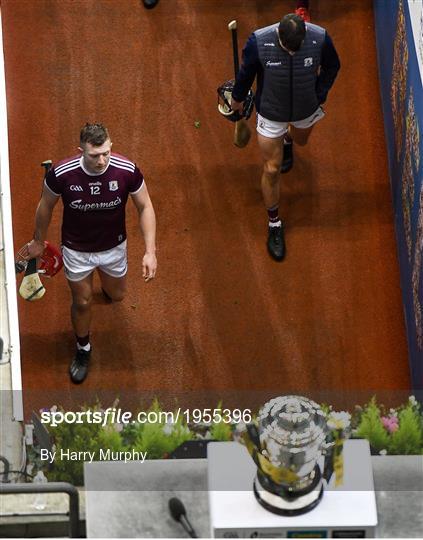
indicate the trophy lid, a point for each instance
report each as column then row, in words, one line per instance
column 291, row 422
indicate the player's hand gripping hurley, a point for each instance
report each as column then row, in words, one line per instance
column 242, row 132
column 50, row 262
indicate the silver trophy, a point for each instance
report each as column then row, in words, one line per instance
column 292, row 447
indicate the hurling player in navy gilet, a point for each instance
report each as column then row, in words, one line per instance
column 94, row 187
column 295, row 64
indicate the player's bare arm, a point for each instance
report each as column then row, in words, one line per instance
column 147, row 217
column 42, row 221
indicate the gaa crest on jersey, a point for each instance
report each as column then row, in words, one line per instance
column 113, row 185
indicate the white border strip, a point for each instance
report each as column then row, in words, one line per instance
column 415, row 8
column 10, row 277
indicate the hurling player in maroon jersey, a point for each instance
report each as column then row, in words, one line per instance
column 94, row 187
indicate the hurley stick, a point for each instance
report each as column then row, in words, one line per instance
column 242, row 131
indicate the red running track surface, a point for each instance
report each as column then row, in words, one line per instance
column 221, row 319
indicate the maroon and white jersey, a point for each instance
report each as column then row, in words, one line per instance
column 94, row 204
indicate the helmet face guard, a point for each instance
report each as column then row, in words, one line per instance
column 224, row 99
column 50, row 262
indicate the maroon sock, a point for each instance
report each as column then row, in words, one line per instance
column 273, row 214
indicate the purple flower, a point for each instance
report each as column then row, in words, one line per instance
column 390, row 423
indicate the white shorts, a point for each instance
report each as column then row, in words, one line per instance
column 272, row 129
column 80, row 264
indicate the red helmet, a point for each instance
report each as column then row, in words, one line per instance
column 51, row 261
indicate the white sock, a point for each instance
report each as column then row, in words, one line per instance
column 275, row 224
column 85, row 348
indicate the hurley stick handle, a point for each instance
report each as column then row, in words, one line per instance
column 232, row 26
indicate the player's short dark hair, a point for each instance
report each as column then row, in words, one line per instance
column 292, row 30
column 95, row 134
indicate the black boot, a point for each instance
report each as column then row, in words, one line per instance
column 149, row 4
column 276, row 243
column 79, row 368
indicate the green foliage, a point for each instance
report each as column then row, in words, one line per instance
column 129, row 434
column 221, row 431
column 157, row 442
column 408, row 439
column 160, row 438
column 370, row 427
column 109, row 438
column 326, row 408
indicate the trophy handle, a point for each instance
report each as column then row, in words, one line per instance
column 334, row 462
column 252, row 442
column 328, row 468
column 254, row 435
